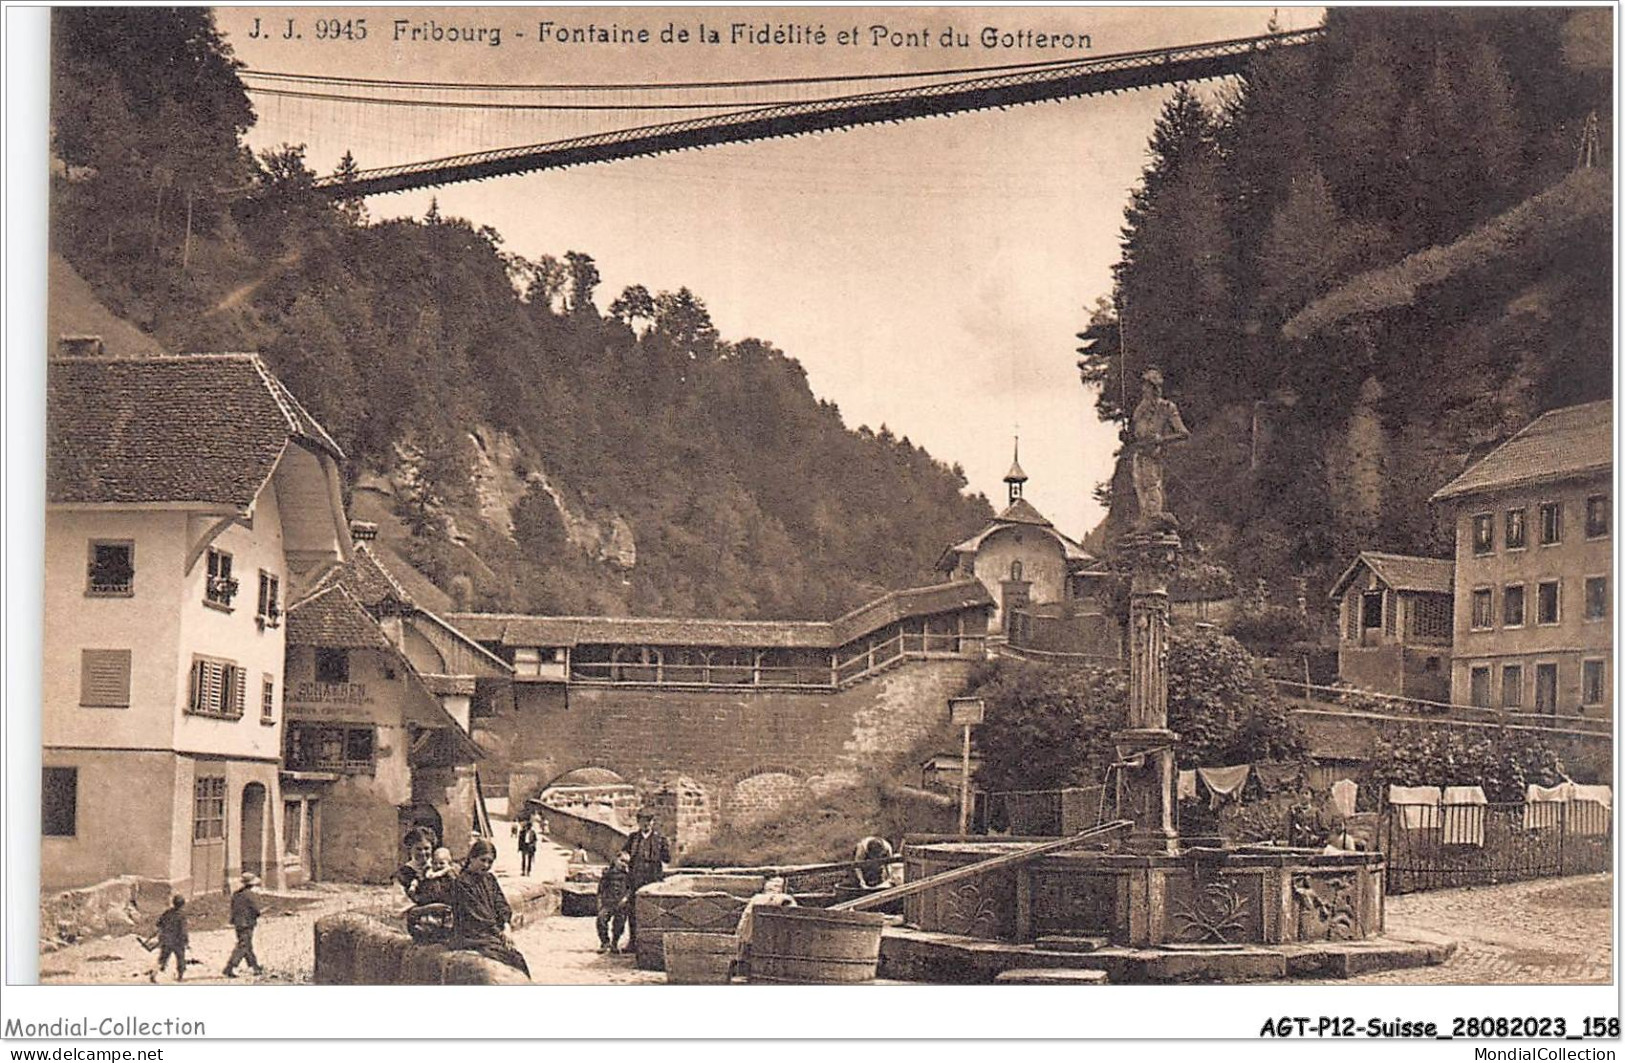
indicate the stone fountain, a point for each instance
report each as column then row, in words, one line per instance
column 1149, row 906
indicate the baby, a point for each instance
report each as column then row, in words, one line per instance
column 434, row 888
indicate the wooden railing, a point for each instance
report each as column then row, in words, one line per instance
column 839, row 672
column 1346, row 699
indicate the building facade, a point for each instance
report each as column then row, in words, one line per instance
column 1533, row 589
column 188, row 499
column 1045, row 587
column 1394, row 629
column 369, row 748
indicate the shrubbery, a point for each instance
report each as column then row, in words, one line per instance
column 1049, row 727
column 1503, row 762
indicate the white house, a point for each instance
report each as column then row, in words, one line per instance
column 188, row 499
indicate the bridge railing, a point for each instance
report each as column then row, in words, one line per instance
column 1347, row 699
column 837, row 673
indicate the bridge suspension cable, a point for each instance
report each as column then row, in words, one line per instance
column 747, row 119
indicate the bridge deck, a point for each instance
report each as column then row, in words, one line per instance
column 1106, row 74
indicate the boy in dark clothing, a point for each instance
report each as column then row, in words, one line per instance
column 613, row 890
column 245, row 915
column 172, row 939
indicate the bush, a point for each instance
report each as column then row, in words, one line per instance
column 1503, row 762
column 1224, row 707
column 1046, row 726
column 1269, row 631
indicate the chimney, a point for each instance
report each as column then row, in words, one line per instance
column 79, row 346
column 363, row 531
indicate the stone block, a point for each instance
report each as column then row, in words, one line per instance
column 422, row 965
column 1050, row 976
column 336, row 938
column 378, row 956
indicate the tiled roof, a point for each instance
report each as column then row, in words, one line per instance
column 915, row 601
column 1554, row 446
column 205, row 428
column 372, row 583
column 1401, row 572
column 1073, row 553
column 518, row 630
column 1021, row 511
column 332, row 618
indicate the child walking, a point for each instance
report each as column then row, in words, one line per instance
column 172, row 939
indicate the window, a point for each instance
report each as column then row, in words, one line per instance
column 527, row 660
column 219, row 589
column 1517, row 535
column 1430, row 616
column 1596, row 516
column 1479, row 687
column 1511, row 686
column 332, row 666
column 1551, row 523
column 1371, row 610
column 1596, row 597
column 1546, row 688
column 1484, row 533
column 1512, row 605
column 1593, row 682
column 111, row 571
column 1483, row 609
column 269, row 613
column 267, row 698
column 59, row 802
column 218, row 689
column 104, row 679
column 209, row 808
column 308, row 747
column 1547, row 605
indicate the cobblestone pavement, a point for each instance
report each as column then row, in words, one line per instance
column 285, row 942
column 1542, row 932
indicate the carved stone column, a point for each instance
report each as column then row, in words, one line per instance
column 1146, row 775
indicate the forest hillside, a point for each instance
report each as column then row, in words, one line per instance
column 528, row 441
column 1368, row 263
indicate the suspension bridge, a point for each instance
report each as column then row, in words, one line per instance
column 717, row 113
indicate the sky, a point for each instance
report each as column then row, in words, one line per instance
column 929, row 275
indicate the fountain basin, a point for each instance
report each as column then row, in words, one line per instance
column 1241, row 895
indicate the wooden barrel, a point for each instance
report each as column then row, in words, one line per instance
column 811, row 946
column 698, row 959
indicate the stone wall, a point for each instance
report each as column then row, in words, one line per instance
column 355, row 950
column 754, row 746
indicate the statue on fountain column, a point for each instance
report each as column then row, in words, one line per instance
column 1156, row 424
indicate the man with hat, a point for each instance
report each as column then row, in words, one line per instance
column 245, row 915
column 648, row 854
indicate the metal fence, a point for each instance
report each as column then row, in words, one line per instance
column 1440, row 846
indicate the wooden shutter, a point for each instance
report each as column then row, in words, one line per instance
column 239, row 688
column 104, row 678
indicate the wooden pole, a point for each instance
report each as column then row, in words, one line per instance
column 186, row 248
column 964, row 786
column 959, row 874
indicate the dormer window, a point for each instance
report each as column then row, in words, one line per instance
column 219, row 588
column 269, row 612
column 111, row 570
